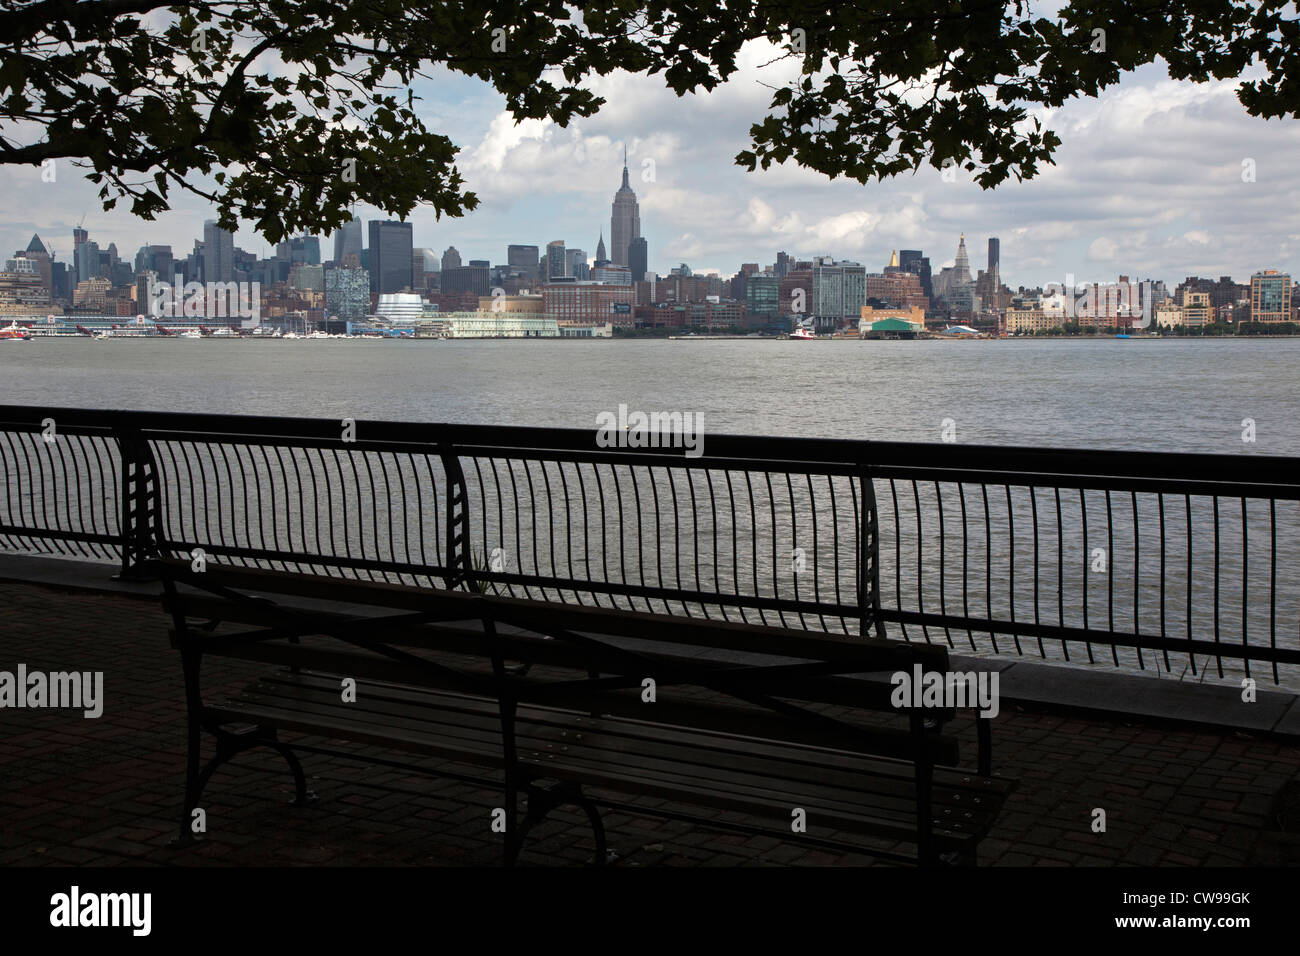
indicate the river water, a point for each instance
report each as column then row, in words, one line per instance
column 1173, row 395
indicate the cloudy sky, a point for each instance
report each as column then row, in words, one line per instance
column 1148, row 183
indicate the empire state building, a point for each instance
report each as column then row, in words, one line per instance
column 625, row 221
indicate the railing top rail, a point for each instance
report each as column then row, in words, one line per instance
column 1268, row 475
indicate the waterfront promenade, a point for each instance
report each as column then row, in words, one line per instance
column 106, row 791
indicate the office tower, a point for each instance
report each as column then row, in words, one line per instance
column 347, row 293
column 450, row 259
column 79, row 237
column 960, row 293
column 572, row 259
column 218, row 253
column 601, row 257
column 38, row 254
column 305, row 250
column 392, row 244
column 784, row 264
column 961, row 266
column 637, row 258
column 522, row 260
column 348, row 241
column 919, row 265
column 995, row 246
column 625, row 221
column 555, row 264
column 88, row 261
column 470, row 278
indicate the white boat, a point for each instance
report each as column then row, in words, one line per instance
column 14, row 333
column 802, row 332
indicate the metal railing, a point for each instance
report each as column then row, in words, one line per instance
column 1173, row 561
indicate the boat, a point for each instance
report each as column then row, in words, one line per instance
column 15, row 333
column 802, row 332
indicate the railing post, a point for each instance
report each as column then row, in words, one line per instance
column 460, row 568
column 140, row 504
column 869, row 559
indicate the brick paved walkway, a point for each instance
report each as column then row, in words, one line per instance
column 106, row 791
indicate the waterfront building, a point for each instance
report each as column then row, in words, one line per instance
column 874, row 321
column 762, row 296
column 531, row 304
column 838, row 292
column 586, row 330
column 1197, row 310
column 401, row 309
column 499, row 325
column 1028, row 319
column 1270, row 296
column 590, row 301
column 1168, row 315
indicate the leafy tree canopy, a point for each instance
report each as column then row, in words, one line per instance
column 296, row 109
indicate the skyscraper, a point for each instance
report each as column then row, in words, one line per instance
column 391, row 246
column 914, row 262
column 555, row 264
column 961, row 267
column 601, row 257
column 625, row 221
column 638, row 256
column 960, row 293
column 348, row 241
column 218, row 253
column 450, row 259
column 523, row 260
column 79, row 237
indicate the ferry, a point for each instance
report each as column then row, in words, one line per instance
column 803, row 332
column 15, row 333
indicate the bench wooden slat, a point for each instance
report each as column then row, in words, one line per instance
column 841, row 808
column 708, row 749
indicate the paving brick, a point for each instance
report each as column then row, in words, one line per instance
column 107, row 791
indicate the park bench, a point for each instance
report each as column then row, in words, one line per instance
column 559, row 700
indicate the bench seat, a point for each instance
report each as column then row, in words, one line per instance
column 839, row 790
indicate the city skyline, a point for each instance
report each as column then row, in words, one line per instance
column 1149, row 181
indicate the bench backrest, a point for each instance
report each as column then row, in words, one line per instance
column 747, row 679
